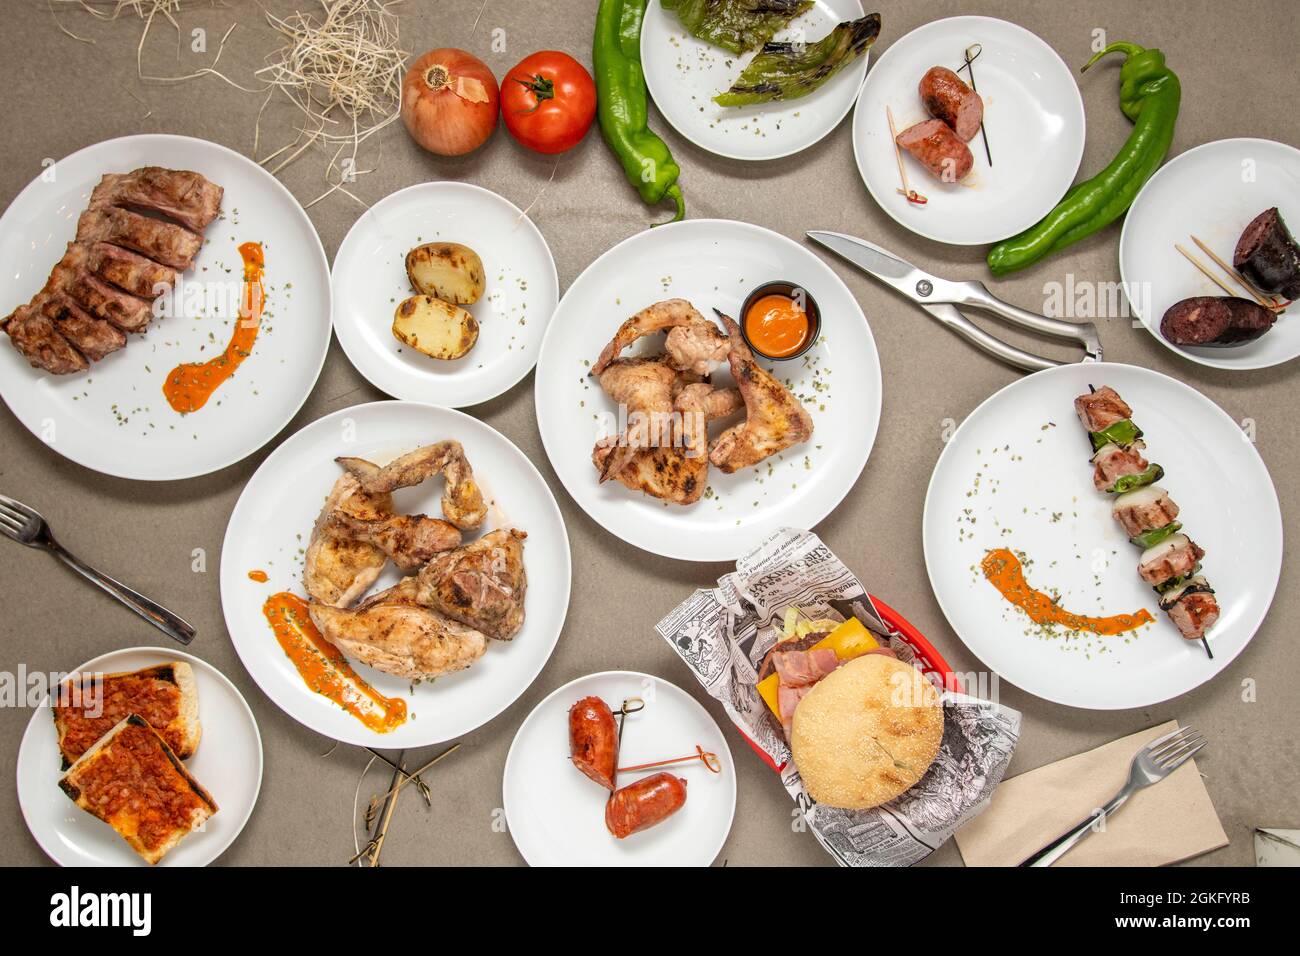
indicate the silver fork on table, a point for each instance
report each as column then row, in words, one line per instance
column 26, row 526
column 1152, row 764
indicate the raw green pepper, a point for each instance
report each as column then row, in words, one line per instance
column 1128, row 482
column 1121, row 433
column 1149, row 539
column 1149, row 94
column 622, row 104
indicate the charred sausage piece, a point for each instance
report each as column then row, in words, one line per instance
column 1215, row 320
column 947, row 97
column 1268, row 256
column 1101, row 408
column 1144, row 509
column 1250, row 320
column 641, row 805
column 937, row 148
column 1201, row 320
column 593, row 740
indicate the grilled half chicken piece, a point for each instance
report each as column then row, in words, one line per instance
column 339, row 570
column 462, row 501
column 679, row 473
column 393, row 633
column 410, row 540
column 696, row 348
column 774, row 419
column 481, row 584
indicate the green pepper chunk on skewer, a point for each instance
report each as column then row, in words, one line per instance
column 1149, row 539
column 1125, row 483
column 1121, row 433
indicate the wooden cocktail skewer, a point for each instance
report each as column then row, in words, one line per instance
column 1268, row 303
column 907, row 192
column 706, row 757
column 1208, row 274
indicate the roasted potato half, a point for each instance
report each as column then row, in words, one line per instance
column 446, row 270
column 438, row 329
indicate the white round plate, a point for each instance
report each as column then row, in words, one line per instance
column 1212, row 192
column 1033, row 116
column 113, row 418
column 228, row 764
column 683, row 75
column 715, row 263
column 557, row 815
column 1017, row 475
column 271, row 525
column 370, row 281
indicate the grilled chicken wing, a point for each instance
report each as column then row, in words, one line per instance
column 676, row 473
column 338, row 570
column 643, row 389
column 481, row 585
column 774, row 420
column 696, row 345
column 394, row 633
column 462, row 501
column 410, row 540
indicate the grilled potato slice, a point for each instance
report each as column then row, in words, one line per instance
column 446, row 270
column 438, row 329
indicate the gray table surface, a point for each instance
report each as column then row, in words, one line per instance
column 1237, row 65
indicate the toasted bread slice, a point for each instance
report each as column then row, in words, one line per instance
column 165, row 695
column 133, row 781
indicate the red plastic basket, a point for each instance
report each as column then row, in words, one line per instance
column 933, row 664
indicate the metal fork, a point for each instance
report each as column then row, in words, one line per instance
column 26, row 526
column 1152, row 764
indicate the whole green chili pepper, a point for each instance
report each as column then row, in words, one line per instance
column 1149, row 94
column 622, row 104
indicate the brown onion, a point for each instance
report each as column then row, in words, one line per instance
column 450, row 102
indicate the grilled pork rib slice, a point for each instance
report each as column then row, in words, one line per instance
column 177, row 194
column 164, row 242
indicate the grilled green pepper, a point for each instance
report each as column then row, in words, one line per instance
column 621, row 99
column 1125, row 483
column 1166, row 586
column 1121, row 433
column 1149, row 95
column 787, row 71
column 1149, row 539
column 736, row 25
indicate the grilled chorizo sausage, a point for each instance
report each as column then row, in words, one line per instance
column 938, row 149
column 947, row 97
column 641, row 805
column 593, row 740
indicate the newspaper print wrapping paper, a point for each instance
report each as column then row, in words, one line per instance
column 723, row 633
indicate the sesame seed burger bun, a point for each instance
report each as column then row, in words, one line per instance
column 866, row 732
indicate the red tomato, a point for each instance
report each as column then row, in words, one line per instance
column 548, row 102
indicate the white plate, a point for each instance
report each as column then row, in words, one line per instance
column 272, row 521
column 683, row 75
column 1211, row 192
column 1215, row 475
column 714, row 263
column 1033, row 115
column 114, row 418
column 228, row 764
column 557, row 815
column 370, row 280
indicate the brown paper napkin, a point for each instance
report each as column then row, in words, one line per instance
column 1169, row 821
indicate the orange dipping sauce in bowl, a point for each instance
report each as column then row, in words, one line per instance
column 776, row 326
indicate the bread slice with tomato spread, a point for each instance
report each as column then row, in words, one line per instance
column 87, row 706
column 136, row 784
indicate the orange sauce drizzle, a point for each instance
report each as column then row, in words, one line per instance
column 189, row 385
column 1003, row 570
column 259, row 576
column 325, row 669
column 776, row 326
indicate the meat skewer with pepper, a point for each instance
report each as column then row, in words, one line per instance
column 1170, row 560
